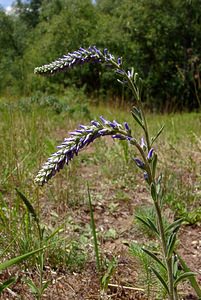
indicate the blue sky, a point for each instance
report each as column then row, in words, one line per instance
column 6, row 3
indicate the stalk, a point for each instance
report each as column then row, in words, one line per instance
column 85, row 135
column 93, row 227
column 164, row 249
column 172, row 293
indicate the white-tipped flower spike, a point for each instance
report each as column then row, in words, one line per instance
column 79, row 139
column 79, row 57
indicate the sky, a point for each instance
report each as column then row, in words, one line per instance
column 6, row 3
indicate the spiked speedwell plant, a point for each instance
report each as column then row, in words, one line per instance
column 147, row 161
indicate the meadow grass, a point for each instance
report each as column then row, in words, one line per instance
column 30, row 135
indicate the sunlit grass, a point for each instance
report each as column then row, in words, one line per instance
column 29, row 137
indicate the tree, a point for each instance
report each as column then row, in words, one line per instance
column 29, row 11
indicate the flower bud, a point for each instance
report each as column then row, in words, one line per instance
column 150, row 154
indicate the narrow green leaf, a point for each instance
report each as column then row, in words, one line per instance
column 18, row 259
column 175, row 266
column 192, row 279
column 55, row 232
column 154, row 164
column 137, row 116
column 161, row 279
column 143, row 221
column 171, row 245
column 106, row 277
column 7, row 283
column 154, row 257
column 153, row 191
column 153, row 139
column 174, row 226
column 152, row 225
column 28, row 205
column 183, row 276
column 45, row 285
column 7, row 248
column 32, row 286
column 137, row 112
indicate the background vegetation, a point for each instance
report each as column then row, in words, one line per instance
column 160, row 38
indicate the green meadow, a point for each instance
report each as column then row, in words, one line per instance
column 30, row 130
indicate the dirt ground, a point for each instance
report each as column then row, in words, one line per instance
column 124, row 284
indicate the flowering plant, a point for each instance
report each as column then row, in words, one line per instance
column 146, row 162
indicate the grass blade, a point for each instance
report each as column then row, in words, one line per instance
column 18, row 259
column 153, row 139
column 7, row 283
column 192, row 279
column 28, row 205
column 93, row 227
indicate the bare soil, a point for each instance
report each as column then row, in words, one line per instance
column 124, row 284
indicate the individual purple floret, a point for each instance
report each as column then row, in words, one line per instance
column 150, row 154
column 139, row 163
column 79, row 139
column 127, row 127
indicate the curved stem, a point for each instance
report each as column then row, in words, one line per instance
column 136, row 92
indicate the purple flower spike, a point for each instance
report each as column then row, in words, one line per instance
column 79, row 57
column 79, row 139
column 139, row 163
column 150, row 154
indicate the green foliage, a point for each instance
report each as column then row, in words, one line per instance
column 145, row 277
column 27, row 138
column 166, row 51
column 111, row 266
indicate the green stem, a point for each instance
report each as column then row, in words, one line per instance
column 168, row 261
column 136, row 92
column 93, row 226
column 164, row 248
column 145, row 126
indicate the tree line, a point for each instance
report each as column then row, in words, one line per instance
column 161, row 39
